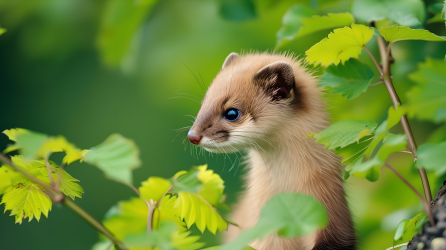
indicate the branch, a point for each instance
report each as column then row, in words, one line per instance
column 57, row 197
column 374, row 60
column 400, row 245
column 93, row 222
column 404, row 122
column 425, row 204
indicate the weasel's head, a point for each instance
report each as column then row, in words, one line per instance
column 248, row 103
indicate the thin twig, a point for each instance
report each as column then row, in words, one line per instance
column 425, row 204
column 387, row 78
column 400, row 245
column 152, row 210
column 375, row 84
column 407, row 152
column 135, row 189
column 374, row 60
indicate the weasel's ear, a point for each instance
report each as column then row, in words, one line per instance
column 277, row 79
column 230, row 59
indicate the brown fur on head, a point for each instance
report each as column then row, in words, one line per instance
column 266, row 89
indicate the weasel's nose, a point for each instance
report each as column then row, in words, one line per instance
column 194, row 138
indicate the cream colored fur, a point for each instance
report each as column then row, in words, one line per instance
column 280, row 158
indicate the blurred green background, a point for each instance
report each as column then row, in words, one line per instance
column 86, row 69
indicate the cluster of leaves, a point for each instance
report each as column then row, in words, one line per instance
column 166, row 209
column 364, row 145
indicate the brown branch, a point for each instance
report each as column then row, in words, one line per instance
column 425, row 204
column 404, row 122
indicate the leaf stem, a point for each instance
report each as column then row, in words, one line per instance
column 425, row 203
column 404, row 122
column 93, row 222
column 57, row 197
column 50, row 173
column 374, row 60
column 400, row 245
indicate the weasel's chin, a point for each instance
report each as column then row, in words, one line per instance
column 220, row 150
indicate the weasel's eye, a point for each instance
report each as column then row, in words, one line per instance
column 231, row 114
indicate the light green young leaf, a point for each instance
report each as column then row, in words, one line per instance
column 432, row 157
column 344, row 133
column 2, row 31
column 408, row 228
column 26, row 200
column 350, row 79
column 394, row 116
column 7, row 178
column 300, row 21
column 397, row 33
column 30, row 142
column 117, row 156
column 154, row 188
column 371, row 168
column 119, row 22
column 213, row 185
column 341, row 45
column 288, row 214
column 403, row 12
column 68, row 184
column 426, row 99
column 195, row 209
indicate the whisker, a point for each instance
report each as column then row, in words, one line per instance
column 184, row 97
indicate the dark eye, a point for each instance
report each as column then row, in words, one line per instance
column 231, row 114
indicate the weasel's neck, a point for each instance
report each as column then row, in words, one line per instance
column 296, row 164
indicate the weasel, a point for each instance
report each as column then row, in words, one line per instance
column 267, row 104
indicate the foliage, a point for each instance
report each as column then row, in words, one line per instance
column 408, row 228
column 340, row 45
column 276, row 217
column 166, row 208
column 41, row 32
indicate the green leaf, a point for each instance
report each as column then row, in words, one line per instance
column 371, row 168
column 154, row 188
column 350, row 79
column 7, row 178
column 288, row 214
column 119, row 22
column 166, row 237
column 30, row 143
column 300, row 21
column 237, row 10
column 2, row 31
column 403, row 12
column 341, row 45
column 36, row 145
column 68, row 184
column 344, row 133
column 354, row 151
column 394, row 116
column 186, row 182
column 432, row 157
column 397, row 33
column 426, row 99
column 408, row 228
column 116, row 157
column 213, row 185
column 26, row 200
column 292, row 23
column 195, row 209
column 161, row 237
